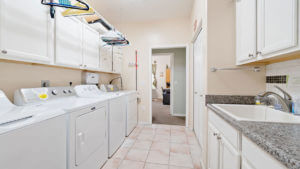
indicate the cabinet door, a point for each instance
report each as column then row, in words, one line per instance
column 106, row 58
column 277, row 25
column 25, row 31
column 117, row 64
column 213, row 148
column 117, row 59
column 229, row 156
column 246, row 165
column 68, row 41
column 245, row 30
column 91, row 40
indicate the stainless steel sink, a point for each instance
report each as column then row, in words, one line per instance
column 257, row 113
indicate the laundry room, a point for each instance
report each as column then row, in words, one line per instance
column 149, row 84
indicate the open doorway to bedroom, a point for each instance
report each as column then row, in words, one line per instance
column 168, row 86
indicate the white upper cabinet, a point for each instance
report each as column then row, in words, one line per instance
column 117, row 59
column 266, row 29
column 68, row 46
column 277, row 25
column 91, row 44
column 25, row 31
column 106, row 58
column 245, row 30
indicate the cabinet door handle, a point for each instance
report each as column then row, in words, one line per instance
column 250, row 55
column 4, row 51
column 219, row 137
column 215, row 134
column 258, row 53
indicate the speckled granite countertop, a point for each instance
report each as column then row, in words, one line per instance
column 280, row 140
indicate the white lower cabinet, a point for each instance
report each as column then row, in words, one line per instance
column 213, row 148
column 221, row 155
column 256, row 158
column 223, row 152
column 229, row 157
column 227, row 149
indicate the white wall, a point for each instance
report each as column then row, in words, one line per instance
column 162, row 60
column 179, row 75
column 142, row 37
column 292, row 70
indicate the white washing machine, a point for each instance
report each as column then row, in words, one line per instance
column 31, row 137
column 87, row 123
column 131, row 110
column 116, row 115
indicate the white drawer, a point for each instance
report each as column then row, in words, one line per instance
column 230, row 133
column 257, row 157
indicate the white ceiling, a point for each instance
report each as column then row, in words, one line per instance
column 129, row 11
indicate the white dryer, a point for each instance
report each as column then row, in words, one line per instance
column 87, row 123
column 31, row 137
column 116, row 115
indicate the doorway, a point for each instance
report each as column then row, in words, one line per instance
column 168, row 85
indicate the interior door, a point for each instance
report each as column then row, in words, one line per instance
column 245, row 30
column 91, row 45
column 25, row 31
column 277, row 25
column 199, row 89
column 68, row 45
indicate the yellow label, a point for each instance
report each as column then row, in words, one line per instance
column 112, row 88
column 43, row 96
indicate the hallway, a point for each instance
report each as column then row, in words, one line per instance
column 158, row 147
column 161, row 114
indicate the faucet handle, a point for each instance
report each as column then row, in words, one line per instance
column 286, row 95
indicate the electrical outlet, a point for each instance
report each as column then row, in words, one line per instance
column 45, row 83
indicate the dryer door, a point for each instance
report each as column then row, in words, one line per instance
column 90, row 133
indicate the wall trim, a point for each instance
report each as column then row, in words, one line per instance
column 186, row 46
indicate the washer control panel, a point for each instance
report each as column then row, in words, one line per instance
column 35, row 95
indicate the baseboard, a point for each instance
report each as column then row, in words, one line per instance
column 179, row 115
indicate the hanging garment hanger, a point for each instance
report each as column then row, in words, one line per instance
column 65, row 4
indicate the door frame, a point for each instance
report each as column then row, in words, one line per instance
column 187, row 66
column 171, row 76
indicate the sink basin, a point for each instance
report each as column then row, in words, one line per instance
column 257, row 113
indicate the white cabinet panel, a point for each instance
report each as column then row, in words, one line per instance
column 245, row 30
column 246, row 165
column 91, row 43
column 25, row 31
column 117, row 59
column 68, row 45
column 277, row 25
column 257, row 158
column 229, row 156
column 106, row 58
column 213, row 148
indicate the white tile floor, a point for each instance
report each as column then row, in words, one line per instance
column 157, row 147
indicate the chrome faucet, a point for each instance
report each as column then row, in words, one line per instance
column 274, row 99
column 120, row 77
